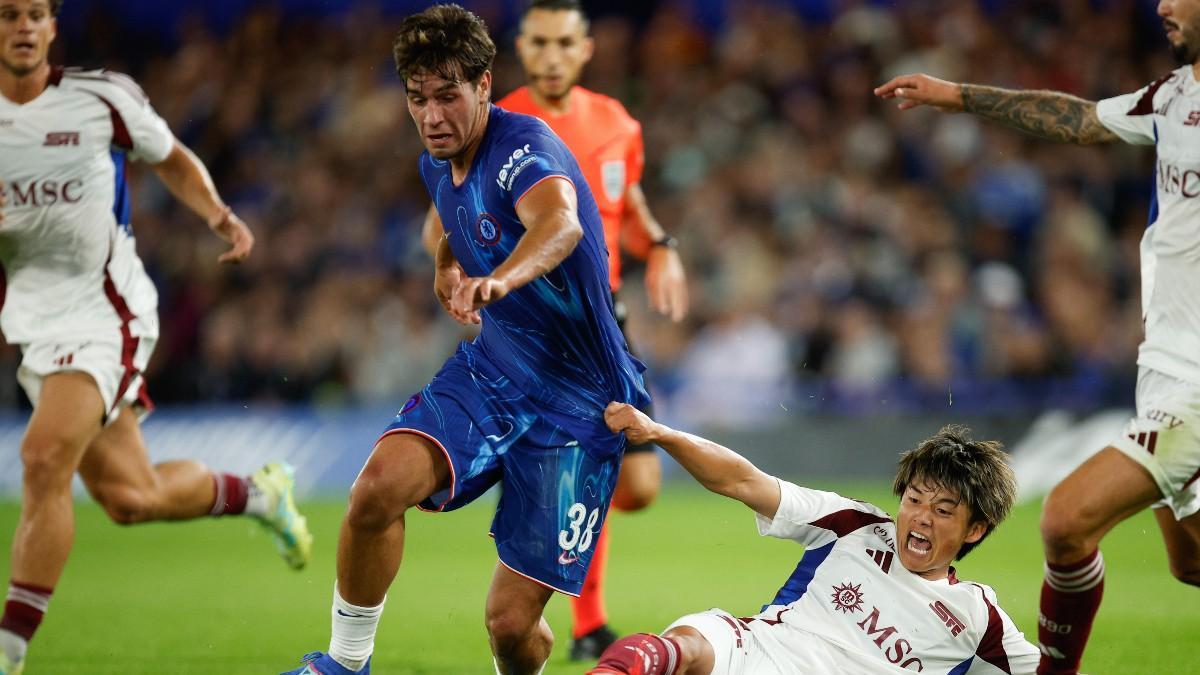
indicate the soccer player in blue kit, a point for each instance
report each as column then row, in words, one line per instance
column 521, row 405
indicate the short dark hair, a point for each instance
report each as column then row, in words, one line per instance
column 444, row 40
column 557, row 6
column 55, row 7
column 977, row 471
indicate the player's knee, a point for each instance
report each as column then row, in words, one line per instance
column 374, row 505
column 635, row 496
column 696, row 655
column 1064, row 534
column 123, row 506
column 1187, row 571
column 47, row 464
column 509, row 627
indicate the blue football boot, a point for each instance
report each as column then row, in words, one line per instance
column 320, row 663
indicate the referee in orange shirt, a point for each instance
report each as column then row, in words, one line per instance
column 554, row 46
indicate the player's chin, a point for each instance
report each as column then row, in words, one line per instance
column 441, row 151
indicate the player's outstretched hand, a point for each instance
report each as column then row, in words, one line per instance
column 231, row 228
column 921, row 89
column 474, row 293
column 637, row 426
column 666, row 283
column 447, row 278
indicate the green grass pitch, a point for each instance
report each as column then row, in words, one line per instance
column 211, row 597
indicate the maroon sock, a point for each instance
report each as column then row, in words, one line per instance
column 639, row 654
column 231, row 494
column 24, row 608
column 1070, row 599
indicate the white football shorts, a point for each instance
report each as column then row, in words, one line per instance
column 1164, row 437
column 116, row 365
column 758, row 647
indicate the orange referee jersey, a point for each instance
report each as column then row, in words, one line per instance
column 607, row 143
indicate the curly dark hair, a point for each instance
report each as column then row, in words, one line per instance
column 444, row 40
column 977, row 471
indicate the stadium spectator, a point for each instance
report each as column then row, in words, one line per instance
column 757, row 137
column 848, row 607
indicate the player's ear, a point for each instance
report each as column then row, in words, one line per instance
column 976, row 531
column 485, row 86
column 589, row 48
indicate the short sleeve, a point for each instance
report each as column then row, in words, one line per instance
column 1003, row 649
column 635, row 160
column 528, row 160
column 1131, row 116
column 815, row 517
column 137, row 128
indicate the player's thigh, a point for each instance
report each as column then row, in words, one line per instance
column 558, row 484
column 117, row 459
column 639, row 480
column 718, row 642
column 514, row 602
column 1182, row 539
column 67, row 415
column 1164, row 437
column 463, row 431
column 404, row 468
column 1106, row 489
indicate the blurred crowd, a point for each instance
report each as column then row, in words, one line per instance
column 843, row 256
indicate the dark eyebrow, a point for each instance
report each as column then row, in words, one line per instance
column 444, row 87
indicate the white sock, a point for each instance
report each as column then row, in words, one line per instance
column 258, row 503
column 353, row 637
column 13, row 646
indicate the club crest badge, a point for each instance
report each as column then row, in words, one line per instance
column 487, row 230
column 411, row 403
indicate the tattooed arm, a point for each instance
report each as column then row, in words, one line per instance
column 1045, row 114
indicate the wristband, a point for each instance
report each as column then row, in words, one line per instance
column 667, row 241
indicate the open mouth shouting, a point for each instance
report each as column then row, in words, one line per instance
column 918, row 544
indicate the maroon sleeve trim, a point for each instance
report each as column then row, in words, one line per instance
column 846, row 521
column 1145, row 104
column 991, row 647
column 120, row 137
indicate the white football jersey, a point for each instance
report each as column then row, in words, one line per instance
column 65, row 242
column 1166, row 114
column 851, row 592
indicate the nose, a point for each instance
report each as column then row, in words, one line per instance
column 1164, row 9
column 551, row 55
column 924, row 517
column 434, row 115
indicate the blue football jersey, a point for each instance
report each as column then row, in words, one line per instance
column 556, row 337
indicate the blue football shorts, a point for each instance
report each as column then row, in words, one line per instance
column 557, row 473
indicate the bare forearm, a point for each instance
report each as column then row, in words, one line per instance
column 431, row 232
column 443, row 255
column 189, row 181
column 1046, row 114
column 714, row 466
column 541, row 249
